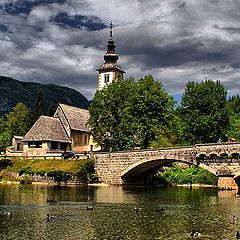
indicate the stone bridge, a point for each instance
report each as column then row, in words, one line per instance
column 123, row 167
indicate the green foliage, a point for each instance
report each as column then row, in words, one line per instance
column 234, row 127
column 203, row 112
column 25, row 170
column 59, row 176
column 4, row 163
column 16, row 122
column 13, row 92
column 25, row 179
column 234, row 104
column 86, row 172
column 5, row 138
column 190, row 175
column 129, row 114
column 233, row 130
column 39, row 107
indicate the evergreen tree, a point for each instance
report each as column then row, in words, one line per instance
column 39, row 107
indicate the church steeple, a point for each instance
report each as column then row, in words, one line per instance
column 111, row 55
column 110, row 71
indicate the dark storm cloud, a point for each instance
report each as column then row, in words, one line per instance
column 154, row 51
column 90, row 23
column 3, row 28
column 25, row 7
column 63, row 41
column 228, row 29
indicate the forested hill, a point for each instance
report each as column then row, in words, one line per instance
column 13, row 91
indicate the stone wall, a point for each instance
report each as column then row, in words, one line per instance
column 112, row 167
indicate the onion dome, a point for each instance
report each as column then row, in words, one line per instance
column 111, row 56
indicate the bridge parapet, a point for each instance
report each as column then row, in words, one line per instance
column 218, row 149
column 111, row 167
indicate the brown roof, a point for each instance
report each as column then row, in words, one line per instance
column 77, row 117
column 47, row 129
column 110, row 66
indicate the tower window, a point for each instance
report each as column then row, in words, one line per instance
column 106, row 78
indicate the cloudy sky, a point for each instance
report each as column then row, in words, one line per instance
column 63, row 41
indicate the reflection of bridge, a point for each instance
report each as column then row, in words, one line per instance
column 124, row 167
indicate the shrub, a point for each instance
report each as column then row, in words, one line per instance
column 4, row 163
column 26, row 179
column 190, row 175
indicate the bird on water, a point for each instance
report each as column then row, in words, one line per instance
column 89, row 208
column 194, row 233
column 50, row 217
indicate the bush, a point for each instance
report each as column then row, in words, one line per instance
column 86, row 172
column 93, row 178
column 190, row 175
column 60, row 176
column 25, row 170
column 4, row 163
column 26, row 179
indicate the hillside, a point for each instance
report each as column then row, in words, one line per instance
column 13, row 91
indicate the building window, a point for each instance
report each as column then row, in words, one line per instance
column 35, row 144
column 106, row 78
column 63, row 146
column 85, row 140
column 54, row 145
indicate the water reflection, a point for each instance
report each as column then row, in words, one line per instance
column 181, row 210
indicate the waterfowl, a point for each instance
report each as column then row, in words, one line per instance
column 7, row 213
column 51, row 201
column 159, row 210
column 136, row 209
column 235, row 218
column 194, row 233
column 50, row 217
column 238, row 235
column 89, row 208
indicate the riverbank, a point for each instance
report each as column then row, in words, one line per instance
column 47, row 171
column 197, row 185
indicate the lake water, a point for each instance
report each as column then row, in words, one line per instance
column 165, row 213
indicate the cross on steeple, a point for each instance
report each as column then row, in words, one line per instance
column 110, row 27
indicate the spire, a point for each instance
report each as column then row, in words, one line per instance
column 110, row 28
column 111, row 55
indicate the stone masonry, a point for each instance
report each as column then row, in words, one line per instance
column 117, row 167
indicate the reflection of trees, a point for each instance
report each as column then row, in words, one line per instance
column 113, row 216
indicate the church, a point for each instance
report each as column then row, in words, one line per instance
column 67, row 129
column 109, row 71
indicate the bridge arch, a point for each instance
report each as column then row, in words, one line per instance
column 113, row 167
column 141, row 168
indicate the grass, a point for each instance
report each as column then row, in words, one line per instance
column 45, row 165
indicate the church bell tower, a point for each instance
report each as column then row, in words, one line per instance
column 110, row 71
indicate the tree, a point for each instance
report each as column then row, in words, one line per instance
column 5, row 134
column 39, row 106
column 152, row 112
column 129, row 114
column 233, row 131
column 203, row 112
column 18, row 120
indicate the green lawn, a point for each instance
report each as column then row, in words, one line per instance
column 45, row 165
